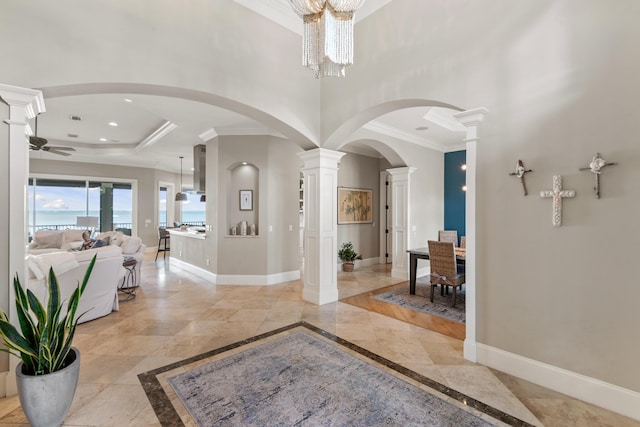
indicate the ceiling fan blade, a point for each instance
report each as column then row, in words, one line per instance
column 60, row 148
column 54, row 151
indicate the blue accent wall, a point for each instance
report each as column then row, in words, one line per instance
column 454, row 197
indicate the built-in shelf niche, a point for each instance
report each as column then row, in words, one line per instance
column 243, row 198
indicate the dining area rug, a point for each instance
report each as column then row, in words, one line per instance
column 303, row 375
column 421, row 301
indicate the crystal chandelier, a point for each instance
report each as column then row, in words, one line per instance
column 327, row 43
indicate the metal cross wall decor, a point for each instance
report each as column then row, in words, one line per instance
column 558, row 194
column 519, row 173
column 596, row 165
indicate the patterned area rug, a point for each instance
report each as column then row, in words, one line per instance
column 302, row 375
column 421, row 301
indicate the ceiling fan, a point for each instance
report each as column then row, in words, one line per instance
column 36, row 143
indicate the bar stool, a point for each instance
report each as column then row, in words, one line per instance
column 163, row 240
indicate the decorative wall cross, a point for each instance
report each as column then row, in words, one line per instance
column 558, row 194
column 519, row 173
column 596, row 165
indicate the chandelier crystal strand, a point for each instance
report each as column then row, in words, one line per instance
column 327, row 45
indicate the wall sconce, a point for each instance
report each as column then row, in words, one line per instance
column 463, row 167
column 464, row 188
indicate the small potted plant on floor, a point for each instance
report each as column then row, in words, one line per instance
column 348, row 255
column 47, row 375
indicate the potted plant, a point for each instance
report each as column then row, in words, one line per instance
column 47, row 375
column 348, row 255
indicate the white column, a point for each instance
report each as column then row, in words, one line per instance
column 23, row 104
column 471, row 119
column 401, row 220
column 320, row 225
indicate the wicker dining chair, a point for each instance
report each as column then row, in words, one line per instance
column 448, row 236
column 444, row 272
column 463, row 241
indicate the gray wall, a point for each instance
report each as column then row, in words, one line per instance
column 283, row 178
column 560, row 81
column 357, row 171
column 275, row 249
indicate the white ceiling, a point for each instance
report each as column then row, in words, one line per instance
column 153, row 131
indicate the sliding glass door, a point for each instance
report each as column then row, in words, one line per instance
column 58, row 204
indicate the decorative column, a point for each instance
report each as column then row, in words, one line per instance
column 23, row 104
column 320, row 225
column 471, row 119
column 401, row 220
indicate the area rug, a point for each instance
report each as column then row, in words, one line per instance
column 421, row 301
column 302, row 375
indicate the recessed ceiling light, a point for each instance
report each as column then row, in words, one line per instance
column 244, row 163
column 103, row 139
column 114, row 124
column 422, row 128
column 127, row 100
column 76, row 118
column 72, row 135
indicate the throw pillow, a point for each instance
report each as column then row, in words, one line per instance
column 46, row 239
column 131, row 245
column 105, row 234
column 100, row 243
column 117, row 238
column 72, row 236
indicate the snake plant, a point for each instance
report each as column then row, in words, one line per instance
column 44, row 340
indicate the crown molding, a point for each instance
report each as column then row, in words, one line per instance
column 442, row 118
column 402, row 135
column 29, row 99
column 156, row 135
column 208, row 134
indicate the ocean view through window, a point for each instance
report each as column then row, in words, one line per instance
column 56, row 204
column 193, row 210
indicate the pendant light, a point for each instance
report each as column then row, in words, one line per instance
column 180, row 196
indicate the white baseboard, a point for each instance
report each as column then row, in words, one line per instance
column 591, row 390
column 361, row 263
column 237, row 279
column 269, row 279
column 200, row 272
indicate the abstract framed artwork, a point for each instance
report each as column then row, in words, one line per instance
column 246, row 200
column 355, row 206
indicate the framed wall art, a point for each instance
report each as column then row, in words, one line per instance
column 246, row 200
column 355, row 205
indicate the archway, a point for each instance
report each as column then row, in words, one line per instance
column 470, row 119
column 289, row 130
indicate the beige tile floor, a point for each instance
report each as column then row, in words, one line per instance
column 176, row 315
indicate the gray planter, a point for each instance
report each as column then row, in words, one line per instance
column 46, row 399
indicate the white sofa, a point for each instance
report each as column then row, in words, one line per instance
column 47, row 241
column 101, row 294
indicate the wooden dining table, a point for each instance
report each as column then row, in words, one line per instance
column 423, row 253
